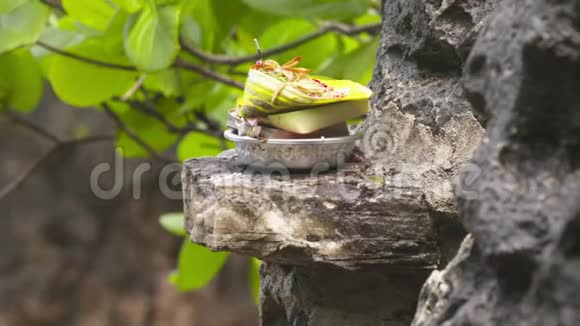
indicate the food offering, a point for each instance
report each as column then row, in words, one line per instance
column 287, row 115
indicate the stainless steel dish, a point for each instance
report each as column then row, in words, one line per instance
column 293, row 153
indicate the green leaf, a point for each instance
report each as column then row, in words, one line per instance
column 251, row 26
column 70, row 24
column 84, row 84
column 151, row 37
column 129, row 6
column 196, row 144
column 197, row 266
column 111, row 40
column 215, row 99
column 254, row 278
column 164, row 81
column 356, row 64
column 313, row 9
column 21, row 24
column 208, row 24
column 227, row 13
column 370, row 18
column 313, row 53
column 174, row 223
column 196, row 95
column 9, row 5
column 361, row 61
column 168, row 2
column 150, row 130
column 58, row 38
column 200, row 24
column 191, row 31
column 21, row 84
column 93, row 13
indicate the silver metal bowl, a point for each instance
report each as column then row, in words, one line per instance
column 295, row 154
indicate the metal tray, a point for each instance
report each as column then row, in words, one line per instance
column 295, row 154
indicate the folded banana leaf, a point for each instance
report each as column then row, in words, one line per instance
column 318, row 117
column 267, row 131
column 275, row 89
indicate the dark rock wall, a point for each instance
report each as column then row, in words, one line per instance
column 422, row 52
column 522, row 264
column 421, row 119
column 330, row 296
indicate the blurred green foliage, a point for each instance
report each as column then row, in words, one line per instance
column 197, row 265
column 136, row 57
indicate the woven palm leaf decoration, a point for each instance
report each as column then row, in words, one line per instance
column 272, row 89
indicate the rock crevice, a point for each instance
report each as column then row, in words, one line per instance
column 521, row 265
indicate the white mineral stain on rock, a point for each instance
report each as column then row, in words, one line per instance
column 329, row 205
column 330, row 248
column 275, row 221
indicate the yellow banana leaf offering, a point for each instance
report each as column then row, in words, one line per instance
column 288, row 98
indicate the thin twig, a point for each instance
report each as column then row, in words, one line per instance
column 213, row 125
column 189, row 119
column 134, row 88
column 179, row 63
column 324, row 29
column 89, row 139
column 148, row 110
column 31, row 126
column 232, row 71
column 25, row 175
column 121, row 125
column 85, row 59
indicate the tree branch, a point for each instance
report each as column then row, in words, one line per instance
column 85, row 59
column 31, row 126
column 121, row 125
column 179, row 63
column 59, row 143
column 25, row 175
column 324, row 29
column 148, row 110
column 212, row 125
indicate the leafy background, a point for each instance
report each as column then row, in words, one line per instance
column 167, row 71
